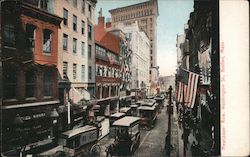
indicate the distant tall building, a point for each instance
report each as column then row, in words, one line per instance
column 145, row 14
column 165, row 82
column 140, row 46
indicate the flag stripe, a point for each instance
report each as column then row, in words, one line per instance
column 191, row 89
column 185, row 93
column 195, row 90
column 187, row 87
column 179, row 92
column 188, row 92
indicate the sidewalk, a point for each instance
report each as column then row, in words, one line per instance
column 176, row 139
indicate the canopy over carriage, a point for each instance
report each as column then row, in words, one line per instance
column 127, row 135
column 81, row 141
column 148, row 115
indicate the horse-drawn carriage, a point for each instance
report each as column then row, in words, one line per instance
column 127, row 136
column 81, row 142
column 160, row 100
column 148, row 116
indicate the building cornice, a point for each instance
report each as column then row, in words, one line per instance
column 135, row 5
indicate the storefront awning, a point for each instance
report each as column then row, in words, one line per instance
column 108, row 98
column 31, row 104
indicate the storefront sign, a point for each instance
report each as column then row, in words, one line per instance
column 38, row 115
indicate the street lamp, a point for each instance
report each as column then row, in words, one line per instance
column 168, row 139
column 18, row 120
column 53, row 115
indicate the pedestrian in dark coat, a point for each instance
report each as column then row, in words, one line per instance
column 194, row 149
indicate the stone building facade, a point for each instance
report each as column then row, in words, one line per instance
column 145, row 14
column 76, row 60
column 125, row 57
column 140, row 61
column 108, row 68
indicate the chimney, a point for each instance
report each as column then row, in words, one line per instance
column 100, row 19
column 108, row 25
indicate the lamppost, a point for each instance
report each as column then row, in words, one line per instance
column 53, row 115
column 168, row 139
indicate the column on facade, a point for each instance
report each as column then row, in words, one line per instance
column 109, row 89
column 100, row 95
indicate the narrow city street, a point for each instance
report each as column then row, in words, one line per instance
column 152, row 141
column 70, row 70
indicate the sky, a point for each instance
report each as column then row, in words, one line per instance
column 173, row 14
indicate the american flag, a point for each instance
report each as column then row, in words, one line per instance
column 187, row 87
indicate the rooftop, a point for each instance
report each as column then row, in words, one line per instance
column 126, row 121
column 133, row 5
column 146, row 108
column 118, row 114
column 80, row 130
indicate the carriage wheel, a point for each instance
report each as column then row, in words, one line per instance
column 95, row 149
column 108, row 151
column 138, row 141
column 132, row 149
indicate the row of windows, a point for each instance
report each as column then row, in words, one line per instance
column 133, row 15
column 74, row 48
column 9, row 37
column 74, row 69
column 102, row 52
column 83, row 7
column 114, row 91
column 74, row 24
column 141, row 6
column 105, row 71
column 11, row 84
column 75, row 4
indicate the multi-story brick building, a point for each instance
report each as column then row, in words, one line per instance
column 145, row 14
column 108, row 67
column 30, row 95
column 76, row 59
column 108, row 73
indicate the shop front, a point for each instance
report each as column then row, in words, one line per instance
column 29, row 130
